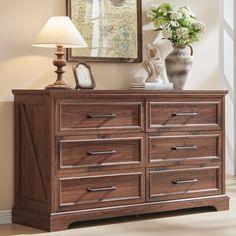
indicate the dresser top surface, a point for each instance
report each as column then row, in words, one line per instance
column 116, row 92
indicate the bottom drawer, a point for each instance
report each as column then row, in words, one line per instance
column 185, row 183
column 101, row 190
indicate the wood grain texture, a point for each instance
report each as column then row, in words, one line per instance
column 31, row 142
column 162, row 93
column 173, row 184
column 187, row 148
column 184, row 115
column 84, row 155
column 61, row 220
column 91, row 192
column 110, row 151
column 77, row 116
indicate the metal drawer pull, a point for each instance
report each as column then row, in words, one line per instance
column 188, row 181
column 94, row 153
column 95, row 116
column 176, row 148
column 112, row 188
column 185, row 114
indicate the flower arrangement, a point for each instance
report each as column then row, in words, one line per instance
column 180, row 26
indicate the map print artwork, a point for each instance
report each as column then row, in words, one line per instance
column 108, row 26
column 118, row 3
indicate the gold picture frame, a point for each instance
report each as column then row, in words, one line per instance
column 111, row 28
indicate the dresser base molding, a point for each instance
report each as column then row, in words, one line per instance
column 62, row 220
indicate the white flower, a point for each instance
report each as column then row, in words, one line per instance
column 187, row 12
column 175, row 16
column 165, row 8
column 178, row 25
column 174, row 23
column 183, row 11
column 167, row 33
column 200, row 26
column 182, row 32
column 190, row 12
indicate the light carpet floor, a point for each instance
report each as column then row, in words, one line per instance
column 197, row 222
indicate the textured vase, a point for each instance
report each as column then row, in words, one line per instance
column 179, row 65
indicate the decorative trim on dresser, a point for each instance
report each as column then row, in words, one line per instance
column 84, row 155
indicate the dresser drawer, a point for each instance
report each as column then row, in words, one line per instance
column 183, row 183
column 95, row 152
column 101, row 190
column 184, row 115
column 184, row 148
column 79, row 115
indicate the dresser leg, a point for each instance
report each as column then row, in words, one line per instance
column 31, row 219
column 222, row 205
column 59, row 226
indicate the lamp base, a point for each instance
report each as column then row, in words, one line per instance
column 59, row 63
column 59, row 84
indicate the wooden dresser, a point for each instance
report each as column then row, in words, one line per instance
column 83, row 155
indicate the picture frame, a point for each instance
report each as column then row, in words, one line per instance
column 111, row 28
column 83, row 75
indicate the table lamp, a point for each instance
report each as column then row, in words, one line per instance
column 59, row 32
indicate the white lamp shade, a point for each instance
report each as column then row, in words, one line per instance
column 60, row 31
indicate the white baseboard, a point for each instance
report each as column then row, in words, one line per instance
column 5, row 217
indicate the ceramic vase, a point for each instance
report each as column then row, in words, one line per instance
column 178, row 66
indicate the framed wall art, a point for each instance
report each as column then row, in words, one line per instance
column 111, row 28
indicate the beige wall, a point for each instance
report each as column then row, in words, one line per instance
column 22, row 66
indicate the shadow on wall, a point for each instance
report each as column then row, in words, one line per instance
column 209, row 81
column 6, row 153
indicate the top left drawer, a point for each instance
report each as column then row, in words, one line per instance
column 98, row 116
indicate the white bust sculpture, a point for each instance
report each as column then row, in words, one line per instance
column 153, row 64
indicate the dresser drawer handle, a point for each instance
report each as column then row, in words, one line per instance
column 112, row 188
column 187, row 181
column 95, row 153
column 99, row 116
column 176, row 148
column 185, row 114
